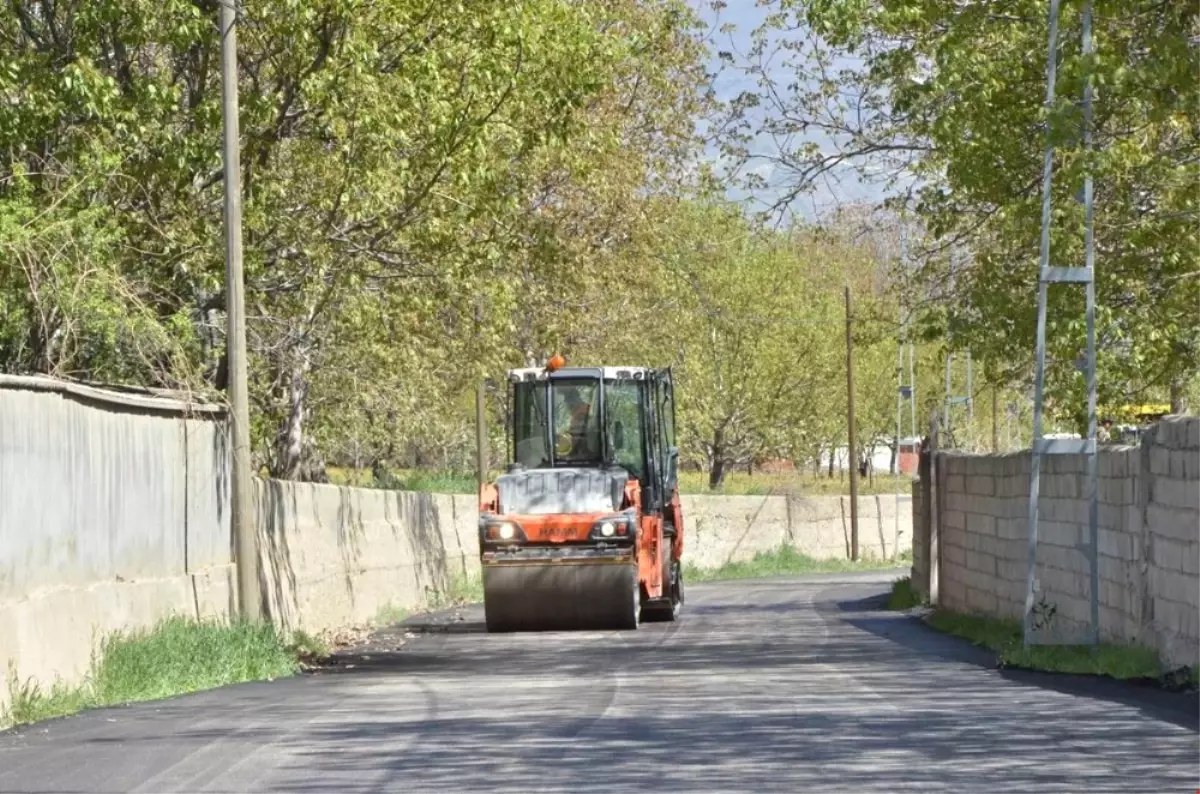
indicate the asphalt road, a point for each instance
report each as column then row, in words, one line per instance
column 775, row 686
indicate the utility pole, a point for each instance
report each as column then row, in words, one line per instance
column 481, row 450
column 995, row 426
column 242, row 502
column 853, row 451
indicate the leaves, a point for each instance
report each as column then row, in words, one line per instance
column 951, row 96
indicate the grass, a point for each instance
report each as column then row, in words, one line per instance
column 390, row 614
column 175, row 657
column 1003, row 637
column 792, row 483
column 785, row 561
column 693, row 483
column 904, row 596
column 461, row 590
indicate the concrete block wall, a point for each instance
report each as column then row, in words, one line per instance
column 1149, row 539
column 1167, row 505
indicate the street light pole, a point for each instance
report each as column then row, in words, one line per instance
column 241, row 485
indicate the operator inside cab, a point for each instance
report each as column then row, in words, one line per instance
column 575, row 441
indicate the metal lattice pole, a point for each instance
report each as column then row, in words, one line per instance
column 1065, row 275
column 1090, row 266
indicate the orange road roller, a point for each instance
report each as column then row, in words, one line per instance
column 584, row 530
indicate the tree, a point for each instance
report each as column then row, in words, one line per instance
column 946, row 100
column 398, row 157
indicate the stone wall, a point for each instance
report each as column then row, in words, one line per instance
column 1149, row 539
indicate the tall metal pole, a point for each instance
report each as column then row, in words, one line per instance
column 481, row 449
column 899, row 415
column 242, row 499
column 1035, row 462
column 899, row 400
column 970, row 407
column 946, row 406
column 1089, row 263
column 912, row 397
column 995, row 420
column 851, row 431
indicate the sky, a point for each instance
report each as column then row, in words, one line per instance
column 746, row 15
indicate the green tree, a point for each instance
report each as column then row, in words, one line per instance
column 948, row 100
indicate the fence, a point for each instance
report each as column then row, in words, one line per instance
column 971, row 549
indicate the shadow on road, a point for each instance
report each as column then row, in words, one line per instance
column 753, row 691
column 1177, row 708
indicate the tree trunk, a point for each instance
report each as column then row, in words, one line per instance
column 1178, row 402
column 289, row 441
column 895, row 457
column 832, row 455
column 716, row 474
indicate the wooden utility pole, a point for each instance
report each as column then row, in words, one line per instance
column 481, row 448
column 241, row 484
column 853, row 449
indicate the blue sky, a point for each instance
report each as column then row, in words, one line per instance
column 746, row 15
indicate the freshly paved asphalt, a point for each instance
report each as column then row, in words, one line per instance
column 776, row 686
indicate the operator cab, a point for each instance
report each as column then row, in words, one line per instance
column 618, row 420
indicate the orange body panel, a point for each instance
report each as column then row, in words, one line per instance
column 575, row 527
column 489, row 498
column 556, row 527
column 674, row 514
column 650, row 539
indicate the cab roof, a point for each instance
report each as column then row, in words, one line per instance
column 608, row 373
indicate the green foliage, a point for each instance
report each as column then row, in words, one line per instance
column 29, row 702
column 307, row 646
column 432, row 193
column 461, row 589
column 176, row 656
column 390, row 614
column 181, row 655
column 949, row 99
column 904, row 596
column 403, row 161
column 1004, row 638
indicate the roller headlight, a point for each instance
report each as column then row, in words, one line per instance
column 615, row 528
column 500, row 531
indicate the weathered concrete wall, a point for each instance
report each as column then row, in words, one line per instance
column 734, row 528
column 113, row 513
column 1149, row 525
column 334, row 556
